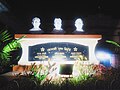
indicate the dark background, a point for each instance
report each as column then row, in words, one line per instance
column 99, row 16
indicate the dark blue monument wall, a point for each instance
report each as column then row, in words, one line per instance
column 68, row 51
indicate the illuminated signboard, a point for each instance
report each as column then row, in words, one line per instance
column 37, row 48
column 58, row 51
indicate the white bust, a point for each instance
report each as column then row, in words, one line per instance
column 79, row 25
column 58, row 24
column 36, row 23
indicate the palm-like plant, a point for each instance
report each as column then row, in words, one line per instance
column 116, row 47
column 113, row 42
column 7, row 45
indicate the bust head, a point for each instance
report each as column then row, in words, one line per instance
column 36, row 23
column 79, row 24
column 57, row 23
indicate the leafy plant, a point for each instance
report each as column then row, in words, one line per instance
column 113, row 42
column 83, row 69
column 42, row 72
column 7, row 45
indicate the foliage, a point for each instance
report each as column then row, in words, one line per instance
column 100, row 71
column 85, row 80
column 8, row 45
column 83, row 71
column 82, row 68
column 42, row 73
column 4, row 37
column 115, row 46
column 82, row 57
column 113, row 42
column 86, row 76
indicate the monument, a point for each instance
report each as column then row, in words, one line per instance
column 63, row 50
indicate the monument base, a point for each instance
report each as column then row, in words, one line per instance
column 47, row 47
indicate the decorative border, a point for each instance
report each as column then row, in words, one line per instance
column 56, row 36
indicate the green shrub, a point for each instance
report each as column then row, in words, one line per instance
column 7, row 46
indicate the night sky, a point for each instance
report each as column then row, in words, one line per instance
column 22, row 12
column 64, row 8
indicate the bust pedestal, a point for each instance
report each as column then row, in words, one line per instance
column 38, row 39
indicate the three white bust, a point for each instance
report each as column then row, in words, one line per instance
column 57, row 24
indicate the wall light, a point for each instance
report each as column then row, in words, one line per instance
column 104, row 57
